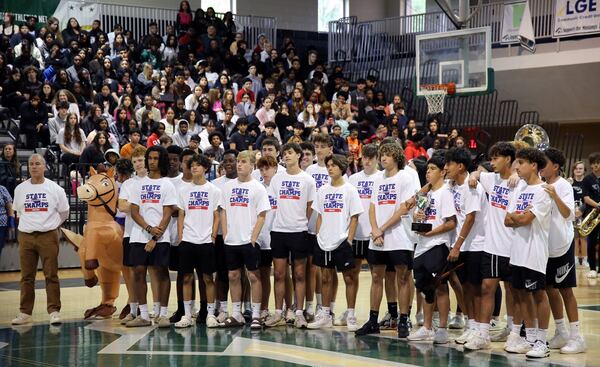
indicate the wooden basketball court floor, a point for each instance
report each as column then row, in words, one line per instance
column 106, row 343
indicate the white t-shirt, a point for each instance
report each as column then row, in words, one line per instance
column 243, row 202
column 151, row 196
column 336, row 205
column 407, row 219
column 388, row 194
column 321, row 177
column 561, row 231
column 40, row 207
column 466, row 201
column 441, row 207
column 180, row 185
column 498, row 238
column 364, row 186
column 125, row 191
column 530, row 243
column 264, row 238
column 220, row 182
column 293, row 193
column 199, row 202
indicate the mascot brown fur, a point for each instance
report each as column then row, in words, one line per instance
column 100, row 249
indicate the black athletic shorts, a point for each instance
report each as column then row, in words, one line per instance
column 527, row 279
column 266, row 258
column 360, row 248
column 433, row 261
column 159, row 256
column 296, row 244
column 313, row 243
column 471, row 271
column 200, row 257
column 391, row 258
column 174, row 258
column 243, row 255
column 560, row 271
column 494, row 266
column 220, row 261
column 340, row 259
column 126, row 251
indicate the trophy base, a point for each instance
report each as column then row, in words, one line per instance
column 421, row 227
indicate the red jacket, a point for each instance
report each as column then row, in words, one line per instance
column 412, row 151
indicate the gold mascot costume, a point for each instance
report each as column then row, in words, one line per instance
column 100, row 249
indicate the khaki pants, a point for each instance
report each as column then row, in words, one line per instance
column 34, row 246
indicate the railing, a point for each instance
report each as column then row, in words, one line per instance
column 136, row 19
column 349, row 38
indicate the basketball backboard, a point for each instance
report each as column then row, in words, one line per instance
column 462, row 57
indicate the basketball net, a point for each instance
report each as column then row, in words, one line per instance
column 435, row 94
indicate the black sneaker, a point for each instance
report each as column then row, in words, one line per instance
column 403, row 329
column 201, row 317
column 176, row 316
column 368, row 328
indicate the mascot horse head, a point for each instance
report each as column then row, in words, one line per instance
column 100, row 190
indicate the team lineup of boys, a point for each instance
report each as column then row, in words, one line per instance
column 305, row 221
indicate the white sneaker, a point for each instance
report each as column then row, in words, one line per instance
column 441, row 336
column 478, row 342
column 592, row 274
column 500, row 336
column 22, row 319
column 558, row 341
column 464, row 338
column 586, row 263
column 194, row 312
column 55, row 318
column 420, row 319
column 457, row 322
column 222, row 317
column 351, row 323
column 540, row 350
column 211, row 321
column 342, row 320
column 574, row 346
column 321, row 321
column 521, row 347
column 290, row 316
column 511, row 340
column 495, row 325
column 186, row 321
column 422, row 334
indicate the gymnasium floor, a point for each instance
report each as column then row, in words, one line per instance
column 106, row 343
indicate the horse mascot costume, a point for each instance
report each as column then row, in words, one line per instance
column 100, row 249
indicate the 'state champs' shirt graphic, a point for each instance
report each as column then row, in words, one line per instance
column 239, row 197
column 198, row 200
column 365, row 189
column 36, row 202
column 289, row 190
column 499, row 197
column 150, row 194
column 333, row 203
column 387, row 194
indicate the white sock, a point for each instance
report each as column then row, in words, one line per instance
column 471, row 324
column 255, row 310
column 309, row 307
column 156, row 308
column 210, row 308
column 134, row 308
column 237, row 310
column 223, row 306
column 516, row 329
column 509, row 322
column 542, row 335
column 144, row 312
column 536, row 323
column 332, row 306
column 484, row 329
column 319, row 298
column 299, row 313
column 351, row 312
column 187, row 307
column 278, row 312
column 326, row 311
column 531, row 334
column 561, row 327
column 164, row 311
column 574, row 329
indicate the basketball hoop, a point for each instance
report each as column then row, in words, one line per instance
column 435, row 94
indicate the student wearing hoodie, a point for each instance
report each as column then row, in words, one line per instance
column 182, row 136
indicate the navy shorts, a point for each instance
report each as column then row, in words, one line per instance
column 159, row 256
column 560, row 271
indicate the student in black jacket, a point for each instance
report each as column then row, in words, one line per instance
column 34, row 122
